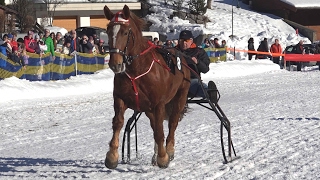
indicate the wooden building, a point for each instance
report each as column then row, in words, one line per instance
column 6, row 19
column 307, row 16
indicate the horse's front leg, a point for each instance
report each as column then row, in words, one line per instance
column 112, row 156
column 162, row 158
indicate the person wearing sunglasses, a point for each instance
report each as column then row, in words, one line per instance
column 198, row 61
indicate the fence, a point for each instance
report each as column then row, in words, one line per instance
column 43, row 68
column 217, row 54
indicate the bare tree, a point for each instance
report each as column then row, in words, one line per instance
column 25, row 15
column 51, row 8
column 2, row 22
column 209, row 4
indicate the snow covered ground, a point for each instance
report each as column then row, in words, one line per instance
column 50, row 133
column 61, row 129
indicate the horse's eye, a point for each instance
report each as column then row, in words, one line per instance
column 126, row 33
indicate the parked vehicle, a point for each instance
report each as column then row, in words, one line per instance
column 308, row 48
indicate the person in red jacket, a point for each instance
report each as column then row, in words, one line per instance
column 30, row 43
column 276, row 48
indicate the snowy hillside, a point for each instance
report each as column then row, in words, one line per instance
column 247, row 23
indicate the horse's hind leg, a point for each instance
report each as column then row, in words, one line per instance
column 112, row 156
column 177, row 105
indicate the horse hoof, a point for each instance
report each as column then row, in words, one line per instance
column 171, row 157
column 163, row 162
column 109, row 164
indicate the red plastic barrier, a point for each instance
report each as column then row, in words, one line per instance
column 302, row 57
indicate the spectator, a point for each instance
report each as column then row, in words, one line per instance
column 251, row 48
column 223, row 43
column 86, row 46
column 276, row 48
column 168, row 43
column 59, row 42
column 22, row 50
column 75, row 42
column 20, row 41
column 67, row 47
column 95, row 39
column 159, row 43
column 14, row 40
column 49, row 42
column 17, row 57
column 37, row 47
column 3, row 47
column 30, row 43
column 8, row 46
column 175, row 42
column 263, row 47
column 101, row 47
column 42, row 46
column 59, row 38
column 40, row 35
column 216, row 43
column 155, row 41
column 10, row 41
column 197, row 60
column 36, row 38
column 299, row 49
column 95, row 49
column 206, row 43
column 54, row 40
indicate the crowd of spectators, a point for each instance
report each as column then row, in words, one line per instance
column 213, row 43
column 48, row 42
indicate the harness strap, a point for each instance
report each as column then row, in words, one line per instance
column 135, row 78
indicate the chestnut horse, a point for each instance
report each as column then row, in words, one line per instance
column 144, row 82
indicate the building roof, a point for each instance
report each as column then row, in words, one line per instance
column 303, row 4
column 92, row 1
column 6, row 9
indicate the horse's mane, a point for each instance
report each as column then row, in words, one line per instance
column 139, row 24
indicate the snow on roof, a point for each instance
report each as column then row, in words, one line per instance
column 310, row 4
column 86, row 1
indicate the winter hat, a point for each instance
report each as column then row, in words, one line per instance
column 20, row 40
column 185, row 35
column 101, row 41
column 10, row 36
column 67, row 40
column 36, row 36
column 30, row 32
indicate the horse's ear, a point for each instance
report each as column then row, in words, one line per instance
column 126, row 12
column 107, row 13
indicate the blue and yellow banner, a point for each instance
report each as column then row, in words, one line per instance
column 217, row 54
column 45, row 68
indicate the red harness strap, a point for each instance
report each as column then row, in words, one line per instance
column 135, row 78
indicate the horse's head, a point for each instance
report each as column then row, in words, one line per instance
column 121, row 32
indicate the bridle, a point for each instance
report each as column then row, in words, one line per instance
column 126, row 58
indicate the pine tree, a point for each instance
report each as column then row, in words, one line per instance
column 197, row 6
